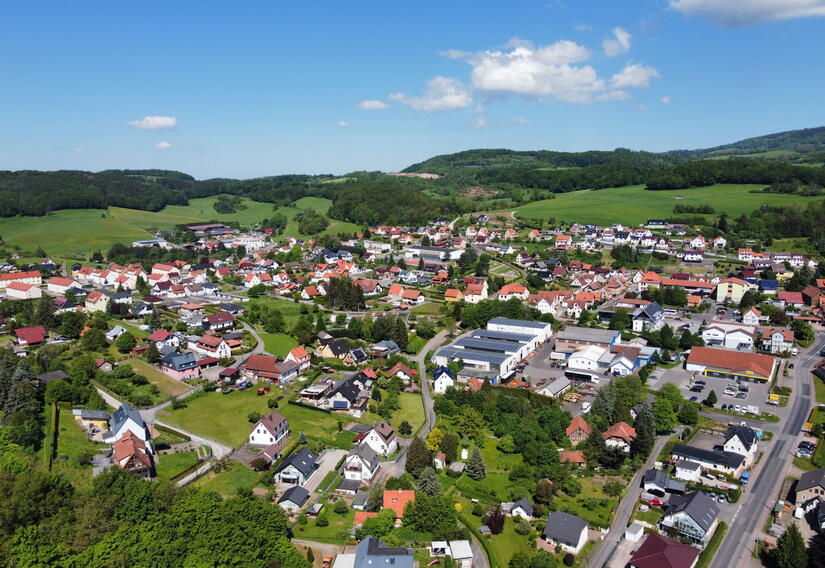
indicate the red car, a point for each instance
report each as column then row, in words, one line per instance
column 656, row 502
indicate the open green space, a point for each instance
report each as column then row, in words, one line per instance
column 591, row 504
column 226, row 483
column 634, row 204
column 819, row 387
column 336, row 532
column 168, row 466
column 164, row 382
column 278, row 344
column 292, row 311
column 411, row 409
column 221, row 417
column 69, row 232
column 501, row 546
column 72, row 443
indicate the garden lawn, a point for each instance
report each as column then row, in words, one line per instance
column 496, row 461
column 591, row 504
column 291, row 311
column 72, row 443
column 411, row 409
column 278, row 343
column 164, row 382
column 502, row 546
column 227, row 483
column 221, row 417
column 318, row 425
column 335, row 533
column 634, row 204
column 819, row 387
column 168, row 466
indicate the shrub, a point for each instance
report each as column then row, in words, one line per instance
column 340, row 507
column 569, row 559
column 253, row 417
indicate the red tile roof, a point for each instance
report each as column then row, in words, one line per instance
column 734, row 361
column 621, row 430
column 576, row 423
column 572, row 456
column 397, row 499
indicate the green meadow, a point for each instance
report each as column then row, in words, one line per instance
column 70, row 232
column 634, row 204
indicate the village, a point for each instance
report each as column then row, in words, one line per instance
column 371, row 387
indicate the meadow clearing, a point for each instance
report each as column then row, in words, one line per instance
column 70, row 232
column 634, row 204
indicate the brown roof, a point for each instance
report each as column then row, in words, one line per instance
column 263, row 363
column 572, row 456
column 621, row 430
column 384, row 430
column 660, row 552
column 734, row 361
column 210, row 340
column 578, row 423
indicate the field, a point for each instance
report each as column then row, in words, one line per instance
column 227, row 483
column 411, row 409
column 634, row 204
column 166, row 384
column 292, row 311
column 278, row 343
column 69, row 232
column 168, row 466
column 223, row 417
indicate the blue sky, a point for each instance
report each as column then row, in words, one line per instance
column 243, row 89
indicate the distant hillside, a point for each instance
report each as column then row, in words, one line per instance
column 788, row 146
column 798, row 141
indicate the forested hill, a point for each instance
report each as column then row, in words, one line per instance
column 797, row 141
column 792, row 145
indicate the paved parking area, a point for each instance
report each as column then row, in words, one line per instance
column 755, row 395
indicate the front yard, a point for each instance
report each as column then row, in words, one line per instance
column 278, row 344
column 72, row 447
column 168, row 466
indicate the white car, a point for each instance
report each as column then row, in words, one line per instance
column 737, row 408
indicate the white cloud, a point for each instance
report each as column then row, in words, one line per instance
column 749, row 12
column 454, row 53
column 343, row 123
column 373, row 105
column 441, row 93
column 478, row 122
column 619, row 45
column 519, row 121
column 154, row 122
column 163, row 145
column 633, row 75
column 641, row 106
column 79, row 149
column 665, row 100
column 582, row 27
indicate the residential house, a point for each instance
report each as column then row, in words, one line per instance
column 293, row 499
column 23, row 291
column 741, row 440
column 126, row 419
column 382, row 439
column 96, row 301
column 271, row 429
column 219, row 321
column 731, row 289
column 776, row 341
column 297, row 468
column 751, row 316
column 300, row 357
column 522, row 508
column 58, row 285
column 442, row 380
column 579, row 430
column 180, row 366
column 453, row 295
column 402, row 371
column 397, row 499
column 361, row 464
column 730, row 335
column 333, row 349
column 384, row 349
column 261, row 367
column 565, row 531
column 34, row 335
column 211, row 346
column 573, row 457
column 658, row 551
column 162, row 338
column 349, row 394
column 512, row 290
column 648, row 318
column 371, row 552
column 620, row 435
column 129, row 453
column 811, row 485
column 476, row 292
column 687, row 470
column 692, row 516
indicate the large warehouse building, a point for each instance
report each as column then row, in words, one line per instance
column 729, row 364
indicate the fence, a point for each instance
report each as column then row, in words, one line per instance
column 50, row 442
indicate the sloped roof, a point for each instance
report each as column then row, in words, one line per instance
column 661, row 552
column 697, row 505
column 576, row 423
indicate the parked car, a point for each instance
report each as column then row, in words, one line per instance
column 693, row 399
column 741, row 395
column 737, row 408
column 723, row 499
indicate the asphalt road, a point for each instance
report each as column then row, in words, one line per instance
column 758, row 498
column 607, row 547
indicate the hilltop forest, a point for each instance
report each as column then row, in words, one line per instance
column 787, row 161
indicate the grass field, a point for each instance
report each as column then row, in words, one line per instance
column 79, row 231
column 166, row 384
column 334, row 533
column 71, row 443
column 278, row 343
column 634, row 204
column 291, row 311
column 168, row 466
column 227, row 483
column 411, row 409
column 222, row 417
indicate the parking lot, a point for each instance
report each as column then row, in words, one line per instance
column 728, row 391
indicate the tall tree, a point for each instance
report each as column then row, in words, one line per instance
column 428, row 482
column 418, row 456
column 790, row 549
column 475, row 468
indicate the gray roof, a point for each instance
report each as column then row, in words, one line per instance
column 350, row 485
column 52, row 376
column 564, row 527
column 663, row 480
column 687, row 464
column 303, row 460
column 502, row 335
column 488, row 345
column 471, row 355
column 89, row 414
column 360, row 499
column 697, row 505
column 727, row 459
column 519, row 323
column 525, row 504
column 745, row 434
column 574, row 333
column 295, row 494
column 366, row 453
column 815, row 478
column 124, row 413
column 372, row 552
